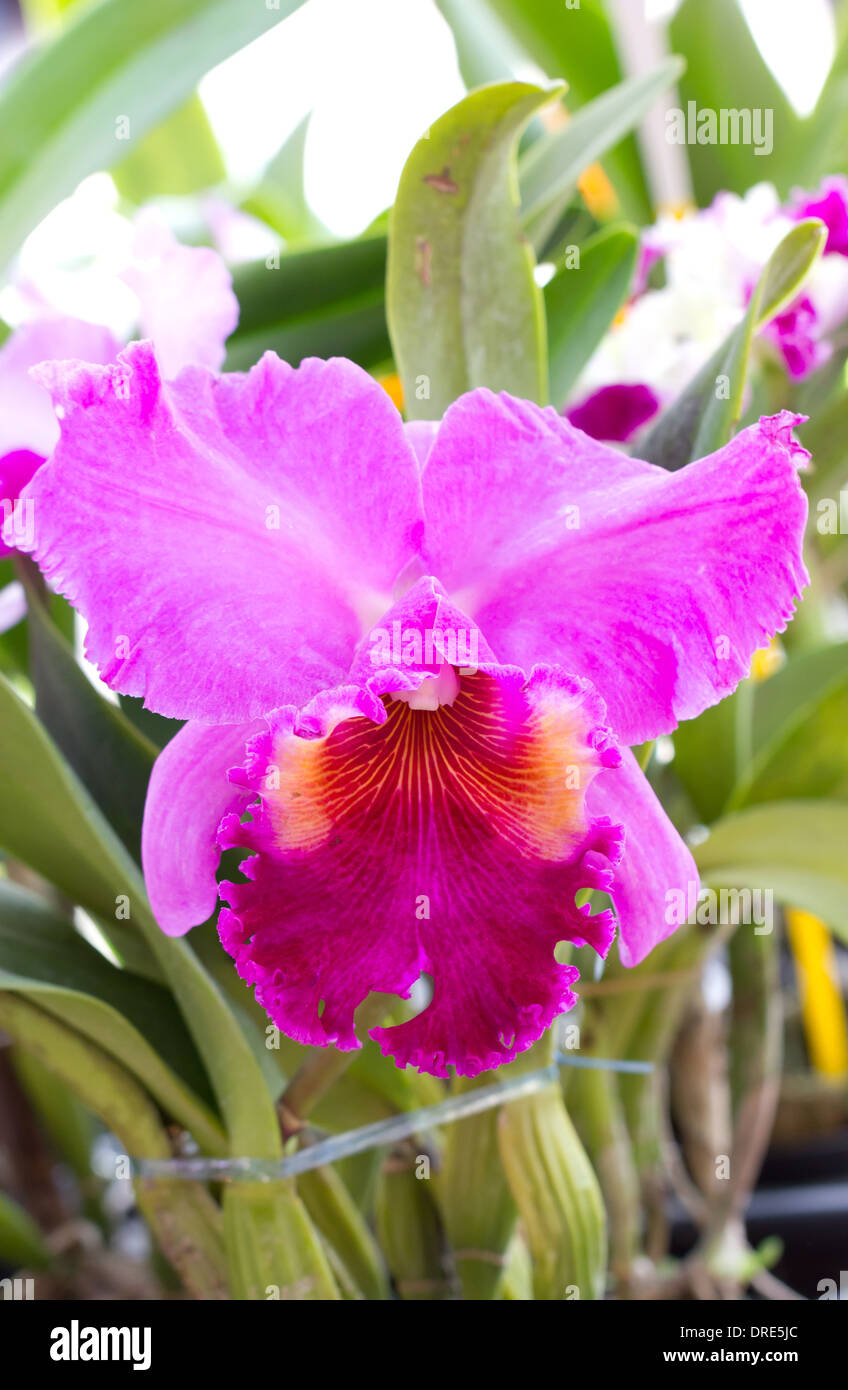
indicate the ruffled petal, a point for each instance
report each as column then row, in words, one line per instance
column 656, row 586
column 228, row 540
column 27, row 418
column 185, row 293
column 657, row 870
column 189, row 793
column 389, row 840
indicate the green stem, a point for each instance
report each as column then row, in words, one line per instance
column 477, row 1206
column 595, row 1105
column 555, row 1189
column 323, row 1067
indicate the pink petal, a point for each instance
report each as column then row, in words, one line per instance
column 188, row 794
column 389, row 841
column 27, row 419
column 831, row 205
column 615, row 412
column 796, row 333
column 186, row 297
column 656, row 586
column 228, row 540
column 656, row 864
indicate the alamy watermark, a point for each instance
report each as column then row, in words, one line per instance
column 710, row 907
column 726, row 126
column 400, row 646
column 19, row 521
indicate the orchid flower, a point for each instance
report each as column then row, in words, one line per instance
column 412, row 658
column 712, row 260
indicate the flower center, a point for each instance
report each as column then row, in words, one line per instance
column 433, row 692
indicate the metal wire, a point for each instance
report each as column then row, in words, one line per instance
column 384, row 1132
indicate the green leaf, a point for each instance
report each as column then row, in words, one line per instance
column 725, row 70
column 485, row 50
column 313, row 303
column 180, row 156
column 549, row 171
column 115, row 71
column 183, row 1216
column 795, row 848
column 578, row 44
column 107, row 753
column 700, row 420
column 825, row 434
column 582, row 301
column 705, row 757
column 21, row 1242
column 280, row 198
column 463, row 306
column 800, row 716
column 69, row 1127
column 354, row 1250
column 48, row 820
column 135, row 1021
column 154, row 728
column 273, row 1250
column 824, row 135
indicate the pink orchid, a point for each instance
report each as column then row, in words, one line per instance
column 408, row 655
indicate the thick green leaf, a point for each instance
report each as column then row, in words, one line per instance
column 463, row 306
column 549, row 171
column 577, row 43
column 702, row 419
column 48, row 820
column 135, row 1021
column 485, row 50
column 21, row 1242
column 105, row 750
column 273, row 1249
column 824, row 135
column 799, row 745
column 705, row 758
column 795, row 848
column 725, row 71
column 112, row 75
column 154, row 728
column 280, row 198
column 826, row 436
column 69, row 1127
column 581, row 302
column 183, row 1216
column 180, row 156
column 314, row 303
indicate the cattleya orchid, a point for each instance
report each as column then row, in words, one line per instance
column 412, row 658
column 712, row 259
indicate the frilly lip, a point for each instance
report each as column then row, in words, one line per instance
column 326, row 912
